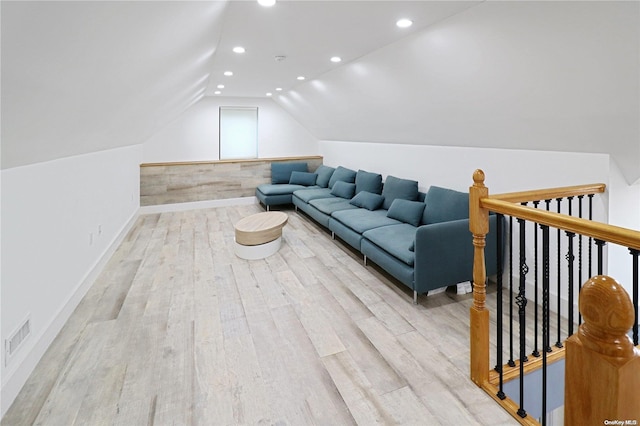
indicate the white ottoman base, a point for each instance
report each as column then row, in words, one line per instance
column 258, row 252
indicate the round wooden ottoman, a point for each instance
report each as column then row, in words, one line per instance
column 259, row 235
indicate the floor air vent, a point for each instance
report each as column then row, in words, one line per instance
column 16, row 339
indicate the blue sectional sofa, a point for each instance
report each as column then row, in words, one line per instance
column 421, row 239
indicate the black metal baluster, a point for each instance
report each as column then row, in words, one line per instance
column 600, row 244
column 546, row 343
column 570, row 276
column 590, row 238
column 499, row 331
column 511, row 362
column 570, row 260
column 559, row 266
column 521, row 300
column 580, row 198
column 545, row 317
column 634, row 254
column 535, row 352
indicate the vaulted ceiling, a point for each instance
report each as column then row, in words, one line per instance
column 83, row 76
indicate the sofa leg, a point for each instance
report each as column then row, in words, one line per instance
column 267, row 207
column 333, row 235
column 365, row 260
column 415, row 297
column 295, row 208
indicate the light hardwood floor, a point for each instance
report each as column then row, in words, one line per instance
column 179, row 331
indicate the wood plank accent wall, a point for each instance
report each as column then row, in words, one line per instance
column 167, row 183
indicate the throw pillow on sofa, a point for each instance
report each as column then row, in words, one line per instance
column 367, row 181
column 342, row 174
column 398, row 188
column 324, row 174
column 303, row 178
column 406, row 211
column 281, row 172
column 343, row 189
column 367, row 200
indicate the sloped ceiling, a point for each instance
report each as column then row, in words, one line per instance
column 80, row 77
column 556, row 76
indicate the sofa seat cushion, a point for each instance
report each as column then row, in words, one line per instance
column 395, row 240
column 312, row 193
column 361, row 220
column 280, row 189
column 330, row 205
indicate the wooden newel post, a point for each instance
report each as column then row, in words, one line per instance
column 602, row 375
column 479, row 315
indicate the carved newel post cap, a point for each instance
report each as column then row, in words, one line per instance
column 608, row 314
column 478, row 177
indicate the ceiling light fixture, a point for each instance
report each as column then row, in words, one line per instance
column 278, row 89
column 336, row 59
column 266, row 3
column 269, row 93
column 217, row 92
column 238, row 49
column 404, row 23
column 301, row 77
column 228, row 73
column 220, row 86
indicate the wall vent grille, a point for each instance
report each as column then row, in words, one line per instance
column 13, row 343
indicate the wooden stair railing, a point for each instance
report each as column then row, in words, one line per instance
column 602, row 371
column 509, row 204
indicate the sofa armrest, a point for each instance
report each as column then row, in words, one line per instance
column 444, row 254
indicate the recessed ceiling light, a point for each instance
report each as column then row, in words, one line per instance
column 404, row 23
column 220, row 86
column 301, row 77
column 238, row 49
column 278, row 89
column 217, row 92
column 266, row 2
column 269, row 93
column 228, row 73
column 336, row 59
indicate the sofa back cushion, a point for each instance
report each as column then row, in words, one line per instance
column 303, row 178
column 367, row 181
column 281, row 172
column 324, row 174
column 398, row 188
column 443, row 205
column 406, row 211
column 367, row 200
column 343, row 189
column 342, row 174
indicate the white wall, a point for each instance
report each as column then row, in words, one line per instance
column 554, row 76
column 506, row 170
column 624, row 211
column 48, row 262
column 194, row 135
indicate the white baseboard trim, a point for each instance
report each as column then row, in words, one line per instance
column 17, row 376
column 194, row 205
